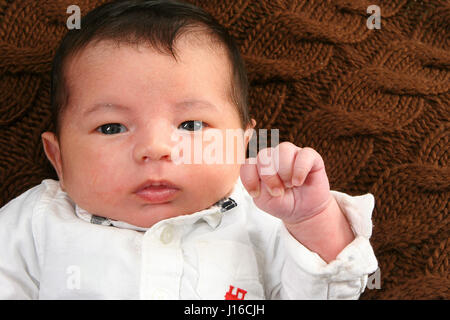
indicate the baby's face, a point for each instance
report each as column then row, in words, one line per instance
column 105, row 154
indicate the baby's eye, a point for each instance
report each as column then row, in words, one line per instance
column 192, row 125
column 111, row 128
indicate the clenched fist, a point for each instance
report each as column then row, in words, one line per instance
column 287, row 182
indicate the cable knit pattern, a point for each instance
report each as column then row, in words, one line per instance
column 374, row 103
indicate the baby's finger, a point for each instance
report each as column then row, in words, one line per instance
column 267, row 169
column 250, row 178
column 306, row 160
column 285, row 156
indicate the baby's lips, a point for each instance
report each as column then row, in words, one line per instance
column 155, row 182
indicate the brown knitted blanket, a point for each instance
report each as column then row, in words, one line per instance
column 373, row 102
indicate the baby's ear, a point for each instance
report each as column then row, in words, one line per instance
column 53, row 152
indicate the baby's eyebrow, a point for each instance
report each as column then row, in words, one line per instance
column 200, row 104
column 185, row 105
column 108, row 106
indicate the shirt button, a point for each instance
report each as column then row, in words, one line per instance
column 166, row 235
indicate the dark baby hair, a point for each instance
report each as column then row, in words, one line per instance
column 154, row 22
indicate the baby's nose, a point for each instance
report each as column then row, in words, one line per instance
column 154, row 144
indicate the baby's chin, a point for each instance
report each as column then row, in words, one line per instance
column 148, row 215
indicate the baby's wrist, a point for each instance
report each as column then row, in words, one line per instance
column 326, row 205
column 325, row 233
column 318, row 216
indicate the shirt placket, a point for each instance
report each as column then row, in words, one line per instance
column 162, row 262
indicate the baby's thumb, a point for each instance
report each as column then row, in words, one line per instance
column 250, row 177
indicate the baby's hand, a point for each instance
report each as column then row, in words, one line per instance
column 292, row 186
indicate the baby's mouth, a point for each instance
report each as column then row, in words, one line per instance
column 157, row 192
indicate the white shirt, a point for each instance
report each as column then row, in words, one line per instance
column 52, row 249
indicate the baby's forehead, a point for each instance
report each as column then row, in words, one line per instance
column 186, row 41
column 90, row 56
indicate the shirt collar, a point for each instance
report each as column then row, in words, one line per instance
column 212, row 215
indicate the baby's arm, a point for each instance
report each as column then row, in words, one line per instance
column 291, row 183
column 326, row 233
column 335, row 227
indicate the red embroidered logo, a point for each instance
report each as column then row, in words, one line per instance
column 240, row 294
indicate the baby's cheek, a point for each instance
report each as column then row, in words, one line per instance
column 224, row 147
column 222, row 177
column 106, row 176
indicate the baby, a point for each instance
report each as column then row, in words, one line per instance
column 126, row 221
